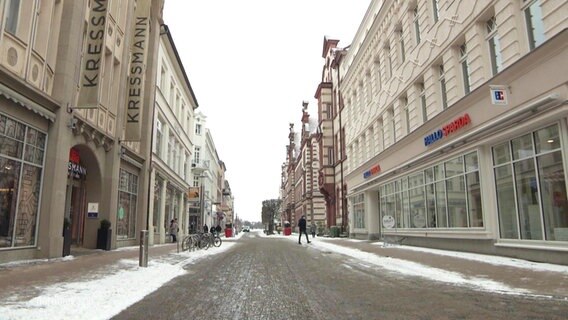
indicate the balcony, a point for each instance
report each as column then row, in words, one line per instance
column 199, row 166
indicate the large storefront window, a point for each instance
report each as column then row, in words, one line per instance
column 127, row 197
column 447, row 195
column 21, row 163
column 358, row 211
column 531, row 187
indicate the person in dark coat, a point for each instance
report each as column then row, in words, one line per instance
column 302, row 226
column 218, row 229
column 205, row 228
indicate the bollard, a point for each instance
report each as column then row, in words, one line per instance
column 143, row 261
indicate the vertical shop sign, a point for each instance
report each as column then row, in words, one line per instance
column 137, row 71
column 91, row 65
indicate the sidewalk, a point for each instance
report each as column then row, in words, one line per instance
column 533, row 278
column 44, row 272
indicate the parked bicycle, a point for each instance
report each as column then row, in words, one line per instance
column 200, row 240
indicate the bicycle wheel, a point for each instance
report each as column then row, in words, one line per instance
column 204, row 242
column 217, row 241
column 186, row 243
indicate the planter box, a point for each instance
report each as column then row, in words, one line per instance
column 104, row 239
column 66, row 242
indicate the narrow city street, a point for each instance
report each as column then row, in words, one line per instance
column 276, row 278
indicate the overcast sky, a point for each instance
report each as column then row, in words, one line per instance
column 251, row 63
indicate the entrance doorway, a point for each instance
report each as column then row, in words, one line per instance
column 75, row 208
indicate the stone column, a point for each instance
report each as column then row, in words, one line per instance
column 151, row 205
column 372, row 215
column 160, row 227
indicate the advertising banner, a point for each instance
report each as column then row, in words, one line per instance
column 137, row 70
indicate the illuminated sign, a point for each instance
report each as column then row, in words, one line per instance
column 374, row 170
column 448, row 129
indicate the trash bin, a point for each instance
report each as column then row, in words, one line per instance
column 334, row 231
column 228, row 232
column 287, row 228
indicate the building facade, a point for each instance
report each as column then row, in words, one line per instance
column 172, row 149
column 332, row 155
column 456, row 126
column 67, row 106
column 300, row 194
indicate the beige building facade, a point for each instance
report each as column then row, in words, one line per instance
column 456, row 126
column 74, row 150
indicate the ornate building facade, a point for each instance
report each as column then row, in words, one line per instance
column 456, row 126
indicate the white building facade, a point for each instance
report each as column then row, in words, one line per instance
column 456, row 126
column 172, row 149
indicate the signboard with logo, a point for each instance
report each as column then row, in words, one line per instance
column 454, row 126
column 74, row 168
column 93, row 210
column 92, row 64
column 137, row 71
column 372, row 171
column 499, row 95
column 388, row 222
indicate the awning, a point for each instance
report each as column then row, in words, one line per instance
column 27, row 103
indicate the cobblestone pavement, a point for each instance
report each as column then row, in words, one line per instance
column 272, row 278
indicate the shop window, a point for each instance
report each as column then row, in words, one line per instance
column 445, row 195
column 22, row 152
column 531, row 188
column 358, row 203
column 127, row 200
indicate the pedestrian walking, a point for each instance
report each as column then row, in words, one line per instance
column 205, row 228
column 313, row 229
column 212, row 229
column 218, row 229
column 302, row 226
column 174, row 229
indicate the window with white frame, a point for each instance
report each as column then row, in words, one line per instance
column 404, row 106
column 171, row 145
column 416, row 23
column 443, row 90
column 465, row 68
column 435, row 10
column 12, row 16
column 389, row 53
column 159, row 137
column 534, row 23
column 392, row 124
column 422, row 100
column 198, row 129
column 494, row 46
column 163, row 78
column 369, row 86
column 196, row 154
column 401, row 44
column 377, row 74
